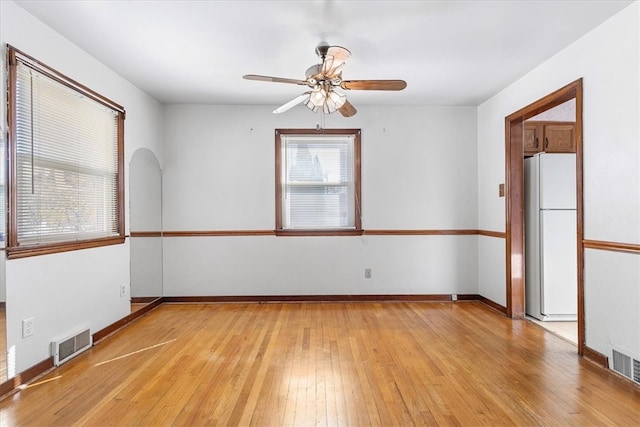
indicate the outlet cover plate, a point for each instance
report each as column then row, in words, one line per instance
column 28, row 327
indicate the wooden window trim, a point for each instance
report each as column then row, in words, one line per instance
column 357, row 231
column 13, row 250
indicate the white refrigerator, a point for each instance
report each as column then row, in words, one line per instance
column 551, row 283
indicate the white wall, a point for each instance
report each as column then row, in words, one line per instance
column 615, row 316
column 608, row 60
column 418, row 172
column 89, row 281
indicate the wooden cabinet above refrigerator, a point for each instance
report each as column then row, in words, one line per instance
column 549, row 137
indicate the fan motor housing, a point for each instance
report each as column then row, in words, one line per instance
column 322, row 50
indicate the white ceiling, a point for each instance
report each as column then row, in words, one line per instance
column 449, row 52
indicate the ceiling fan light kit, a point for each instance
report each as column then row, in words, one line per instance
column 324, row 79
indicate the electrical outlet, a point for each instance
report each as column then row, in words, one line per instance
column 454, row 297
column 28, row 327
column 123, row 290
column 367, row 273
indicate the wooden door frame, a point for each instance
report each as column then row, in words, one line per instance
column 514, row 164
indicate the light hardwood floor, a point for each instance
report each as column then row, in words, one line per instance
column 302, row 364
column 566, row 330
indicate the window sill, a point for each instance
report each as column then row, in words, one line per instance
column 333, row 232
column 29, row 251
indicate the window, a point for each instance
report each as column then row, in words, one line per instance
column 318, row 182
column 65, row 163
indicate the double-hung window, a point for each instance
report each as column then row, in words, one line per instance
column 65, row 162
column 318, row 182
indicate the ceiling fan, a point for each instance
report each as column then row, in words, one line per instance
column 324, row 79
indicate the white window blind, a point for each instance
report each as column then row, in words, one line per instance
column 317, row 179
column 66, row 162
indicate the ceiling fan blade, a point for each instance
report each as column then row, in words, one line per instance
column 338, row 53
column 347, row 110
column 373, row 84
column 295, row 101
column 273, row 79
column 335, row 58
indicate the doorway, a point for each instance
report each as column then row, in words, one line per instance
column 514, row 165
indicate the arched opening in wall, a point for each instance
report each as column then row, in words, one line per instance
column 145, row 216
column 515, row 201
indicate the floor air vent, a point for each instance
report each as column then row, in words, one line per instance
column 66, row 348
column 626, row 365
